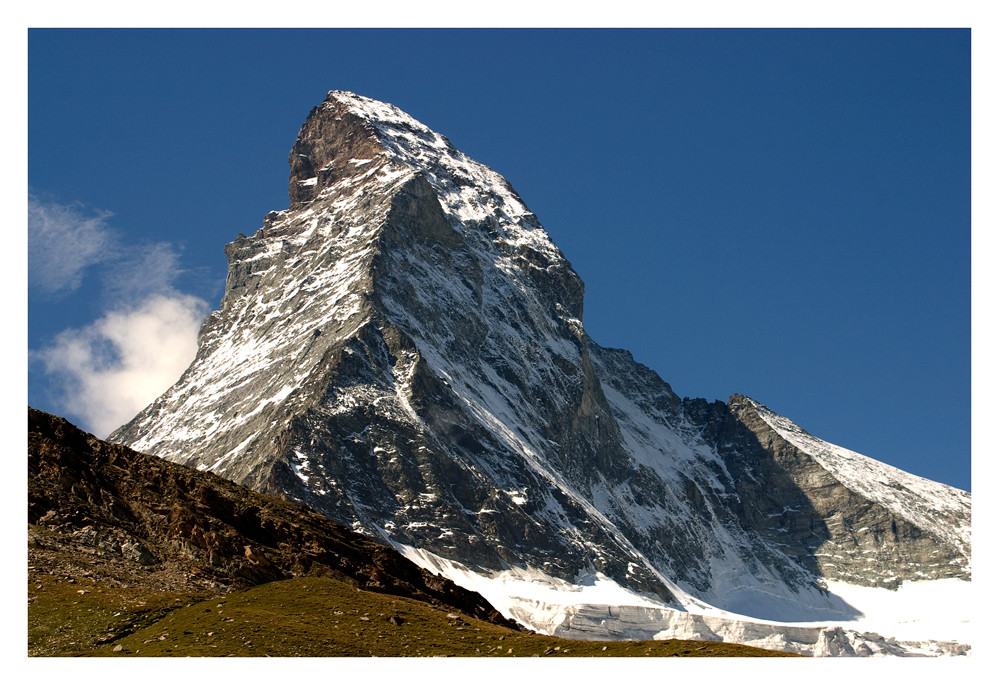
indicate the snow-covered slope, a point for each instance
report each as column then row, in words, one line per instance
column 403, row 350
column 594, row 607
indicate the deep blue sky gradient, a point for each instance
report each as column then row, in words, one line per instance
column 784, row 214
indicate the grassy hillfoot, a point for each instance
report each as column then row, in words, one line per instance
column 297, row 617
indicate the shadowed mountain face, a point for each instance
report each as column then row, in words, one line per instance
column 402, row 349
column 127, row 516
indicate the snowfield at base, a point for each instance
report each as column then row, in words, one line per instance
column 921, row 618
column 508, row 589
column 918, row 610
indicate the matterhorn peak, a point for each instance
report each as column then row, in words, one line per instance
column 403, row 350
column 349, row 135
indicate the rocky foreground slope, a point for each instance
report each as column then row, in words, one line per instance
column 103, row 511
column 402, row 349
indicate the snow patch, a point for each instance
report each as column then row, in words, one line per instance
column 594, row 607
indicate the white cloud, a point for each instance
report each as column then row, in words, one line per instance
column 113, row 368
column 62, row 243
column 141, row 272
column 102, row 374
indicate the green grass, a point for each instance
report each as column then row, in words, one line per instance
column 297, row 617
column 75, row 618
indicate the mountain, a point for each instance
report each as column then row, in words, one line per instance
column 402, row 349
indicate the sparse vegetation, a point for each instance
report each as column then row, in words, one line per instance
column 297, row 617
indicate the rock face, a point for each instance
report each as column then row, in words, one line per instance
column 403, row 350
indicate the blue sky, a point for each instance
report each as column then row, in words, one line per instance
column 784, row 214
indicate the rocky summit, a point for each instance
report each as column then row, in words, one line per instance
column 402, row 350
